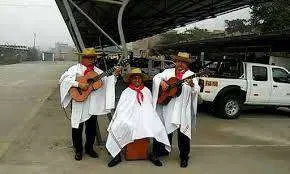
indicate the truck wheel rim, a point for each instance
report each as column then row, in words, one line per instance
column 232, row 108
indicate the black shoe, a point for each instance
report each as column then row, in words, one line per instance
column 114, row 161
column 78, row 156
column 155, row 160
column 183, row 163
column 163, row 153
column 92, row 153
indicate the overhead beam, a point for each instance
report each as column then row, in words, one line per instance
column 110, row 1
column 96, row 25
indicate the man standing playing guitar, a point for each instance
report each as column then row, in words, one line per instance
column 178, row 111
column 100, row 101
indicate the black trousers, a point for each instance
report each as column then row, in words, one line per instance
column 90, row 135
column 183, row 145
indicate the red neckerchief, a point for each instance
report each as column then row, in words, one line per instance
column 139, row 95
column 179, row 74
column 89, row 67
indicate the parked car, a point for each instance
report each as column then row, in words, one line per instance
column 233, row 85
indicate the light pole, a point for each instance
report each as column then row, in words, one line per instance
column 34, row 37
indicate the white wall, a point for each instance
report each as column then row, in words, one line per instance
column 280, row 61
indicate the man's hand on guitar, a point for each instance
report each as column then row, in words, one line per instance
column 189, row 82
column 118, row 71
column 164, row 85
column 83, row 86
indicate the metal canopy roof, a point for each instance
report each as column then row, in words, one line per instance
column 141, row 18
column 274, row 42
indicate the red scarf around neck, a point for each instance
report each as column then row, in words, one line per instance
column 139, row 96
column 179, row 74
column 90, row 67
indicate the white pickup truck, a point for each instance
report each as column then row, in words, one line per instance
column 245, row 83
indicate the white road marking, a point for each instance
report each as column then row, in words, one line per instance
column 235, row 145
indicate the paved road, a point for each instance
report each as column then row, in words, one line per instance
column 258, row 142
column 24, row 87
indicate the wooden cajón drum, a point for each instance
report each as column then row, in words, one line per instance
column 137, row 150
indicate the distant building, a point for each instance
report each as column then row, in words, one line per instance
column 142, row 48
column 13, row 53
column 280, row 59
column 64, row 52
column 47, row 56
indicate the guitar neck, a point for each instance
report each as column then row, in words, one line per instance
column 110, row 71
column 104, row 74
column 189, row 77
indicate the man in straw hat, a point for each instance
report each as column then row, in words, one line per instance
column 178, row 113
column 135, row 119
column 99, row 102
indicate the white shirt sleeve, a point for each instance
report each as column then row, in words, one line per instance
column 75, row 84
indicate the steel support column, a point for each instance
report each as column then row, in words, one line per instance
column 74, row 25
column 120, row 28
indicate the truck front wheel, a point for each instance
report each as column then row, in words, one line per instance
column 229, row 107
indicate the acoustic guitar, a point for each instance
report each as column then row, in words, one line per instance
column 174, row 89
column 94, row 80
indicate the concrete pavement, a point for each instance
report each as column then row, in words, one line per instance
column 258, row 142
column 24, row 87
column 218, row 147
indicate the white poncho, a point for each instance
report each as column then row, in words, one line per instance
column 99, row 102
column 180, row 112
column 133, row 121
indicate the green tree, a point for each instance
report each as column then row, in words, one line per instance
column 170, row 37
column 188, row 35
column 196, row 34
column 271, row 15
column 237, row 25
column 33, row 55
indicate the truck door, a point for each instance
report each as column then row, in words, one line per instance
column 259, row 84
column 280, row 87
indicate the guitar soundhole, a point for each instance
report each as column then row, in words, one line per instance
column 179, row 90
column 79, row 90
column 90, row 81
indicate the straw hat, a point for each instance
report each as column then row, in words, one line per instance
column 182, row 56
column 135, row 71
column 88, row 52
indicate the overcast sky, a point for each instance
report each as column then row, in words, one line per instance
column 20, row 18
column 218, row 22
